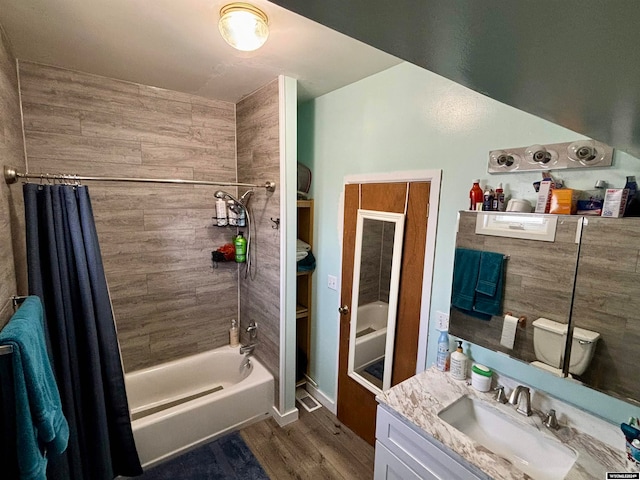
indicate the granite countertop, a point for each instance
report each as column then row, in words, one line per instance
column 419, row 399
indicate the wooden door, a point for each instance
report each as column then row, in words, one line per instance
column 356, row 404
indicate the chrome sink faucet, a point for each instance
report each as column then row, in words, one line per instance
column 521, row 396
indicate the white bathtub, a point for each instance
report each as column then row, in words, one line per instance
column 174, row 407
column 371, row 334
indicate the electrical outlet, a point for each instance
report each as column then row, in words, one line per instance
column 332, row 282
column 442, row 321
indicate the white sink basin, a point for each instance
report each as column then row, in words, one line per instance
column 525, row 447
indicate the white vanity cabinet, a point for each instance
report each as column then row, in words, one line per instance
column 403, row 452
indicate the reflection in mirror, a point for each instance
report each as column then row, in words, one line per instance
column 599, row 348
column 538, row 284
column 376, row 277
column 606, row 333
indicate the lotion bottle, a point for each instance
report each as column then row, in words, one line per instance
column 459, row 362
column 234, row 339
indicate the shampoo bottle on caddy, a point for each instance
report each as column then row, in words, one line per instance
column 241, row 248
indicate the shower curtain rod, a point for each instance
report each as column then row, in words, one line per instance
column 11, row 175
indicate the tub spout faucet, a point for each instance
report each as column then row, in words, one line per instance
column 247, row 349
column 521, row 396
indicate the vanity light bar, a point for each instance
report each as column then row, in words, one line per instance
column 578, row 154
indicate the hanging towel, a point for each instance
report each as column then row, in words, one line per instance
column 42, row 430
column 489, row 288
column 465, row 278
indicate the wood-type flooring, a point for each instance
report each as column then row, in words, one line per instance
column 317, row 446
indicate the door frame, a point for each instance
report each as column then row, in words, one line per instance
column 435, row 178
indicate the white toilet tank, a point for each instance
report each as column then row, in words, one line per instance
column 583, row 346
column 549, row 342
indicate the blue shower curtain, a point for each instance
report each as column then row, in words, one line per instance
column 65, row 270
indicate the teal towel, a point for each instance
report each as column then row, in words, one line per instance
column 489, row 289
column 465, row 278
column 42, row 429
column 490, row 273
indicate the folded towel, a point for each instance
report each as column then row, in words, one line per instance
column 302, row 250
column 302, row 246
column 465, row 278
column 489, row 288
column 42, row 429
column 307, row 264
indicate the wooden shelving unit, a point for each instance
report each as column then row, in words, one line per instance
column 304, row 283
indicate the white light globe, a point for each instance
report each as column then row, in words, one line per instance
column 243, row 26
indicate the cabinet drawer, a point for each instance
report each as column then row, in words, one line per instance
column 389, row 467
column 418, row 452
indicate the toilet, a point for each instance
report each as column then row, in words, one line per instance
column 549, row 342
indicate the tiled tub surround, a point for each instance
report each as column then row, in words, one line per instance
column 600, row 445
column 156, row 239
column 259, row 159
column 13, row 275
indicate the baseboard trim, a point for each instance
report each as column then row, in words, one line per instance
column 286, row 418
column 322, row 398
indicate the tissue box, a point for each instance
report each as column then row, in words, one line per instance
column 563, row 201
column 544, row 197
column 615, row 201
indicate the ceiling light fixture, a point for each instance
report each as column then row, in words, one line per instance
column 243, row 26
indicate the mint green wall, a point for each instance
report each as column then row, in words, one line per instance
column 407, row 118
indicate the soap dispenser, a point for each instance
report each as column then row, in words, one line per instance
column 459, row 362
column 234, row 337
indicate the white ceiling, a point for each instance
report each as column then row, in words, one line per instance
column 175, row 44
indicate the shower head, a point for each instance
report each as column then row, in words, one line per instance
column 220, row 194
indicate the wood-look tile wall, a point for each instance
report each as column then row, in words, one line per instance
column 538, row 283
column 259, row 160
column 156, row 239
column 12, row 249
column 607, row 301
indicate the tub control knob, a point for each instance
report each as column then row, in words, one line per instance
column 344, row 309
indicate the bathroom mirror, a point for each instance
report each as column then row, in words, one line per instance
column 606, row 307
column 598, row 257
column 376, row 278
column 537, row 283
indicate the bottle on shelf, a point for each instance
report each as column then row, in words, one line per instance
column 475, row 196
column 242, row 217
column 632, row 186
column 241, row 248
column 487, row 203
column 499, row 204
column 221, row 213
column 231, row 212
column 234, row 338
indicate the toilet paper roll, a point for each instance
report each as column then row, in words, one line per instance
column 509, row 327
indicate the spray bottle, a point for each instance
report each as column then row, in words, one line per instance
column 442, row 360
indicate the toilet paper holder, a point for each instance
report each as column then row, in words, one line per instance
column 522, row 319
